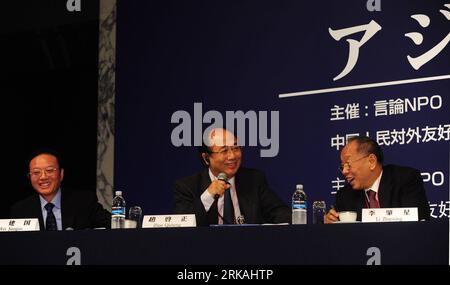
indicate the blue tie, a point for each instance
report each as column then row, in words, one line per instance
column 228, row 210
column 50, row 222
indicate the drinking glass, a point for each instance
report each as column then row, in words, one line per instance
column 135, row 214
column 319, row 211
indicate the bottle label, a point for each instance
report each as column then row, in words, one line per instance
column 299, row 210
column 299, row 206
column 118, row 211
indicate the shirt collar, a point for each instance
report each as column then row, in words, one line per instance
column 376, row 185
column 56, row 200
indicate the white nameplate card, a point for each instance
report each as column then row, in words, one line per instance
column 169, row 221
column 19, row 225
column 381, row 215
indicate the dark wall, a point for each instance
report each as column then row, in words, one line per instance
column 49, row 59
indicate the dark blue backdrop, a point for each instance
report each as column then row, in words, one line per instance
column 240, row 55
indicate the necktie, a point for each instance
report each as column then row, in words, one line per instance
column 50, row 222
column 228, row 210
column 373, row 203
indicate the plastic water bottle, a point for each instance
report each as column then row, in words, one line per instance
column 299, row 205
column 118, row 211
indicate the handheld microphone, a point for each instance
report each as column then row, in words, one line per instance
column 223, row 177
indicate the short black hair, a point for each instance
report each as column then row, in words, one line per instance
column 46, row 150
column 203, row 149
column 368, row 146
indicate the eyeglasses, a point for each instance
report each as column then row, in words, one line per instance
column 234, row 149
column 348, row 164
column 37, row 172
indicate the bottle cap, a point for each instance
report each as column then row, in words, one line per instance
column 118, row 193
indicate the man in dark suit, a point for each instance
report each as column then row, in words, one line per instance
column 204, row 195
column 372, row 185
column 57, row 209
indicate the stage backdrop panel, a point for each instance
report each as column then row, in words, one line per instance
column 311, row 74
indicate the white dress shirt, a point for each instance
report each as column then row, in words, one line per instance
column 56, row 209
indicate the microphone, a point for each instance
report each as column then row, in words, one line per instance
column 223, row 177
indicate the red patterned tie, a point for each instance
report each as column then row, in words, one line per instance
column 373, row 203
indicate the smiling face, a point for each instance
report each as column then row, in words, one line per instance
column 359, row 169
column 45, row 175
column 225, row 155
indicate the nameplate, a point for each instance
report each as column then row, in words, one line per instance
column 19, row 225
column 169, row 221
column 381, row 215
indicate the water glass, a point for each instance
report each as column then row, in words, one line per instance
column 319, row 211
column 135, row 214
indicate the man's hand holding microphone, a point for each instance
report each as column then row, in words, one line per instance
column 218, row 187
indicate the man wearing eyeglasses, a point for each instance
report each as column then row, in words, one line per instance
column 57, row 209
column 372, row 185
column 205, row 193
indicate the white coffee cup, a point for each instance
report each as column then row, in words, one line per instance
column 347, row 216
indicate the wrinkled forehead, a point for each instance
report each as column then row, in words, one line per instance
column 350, row 150
column 221, row 137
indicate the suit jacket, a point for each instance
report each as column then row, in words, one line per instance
column 399, row 187
column 258, row 204
column 79, row 210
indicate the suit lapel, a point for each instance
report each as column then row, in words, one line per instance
column 361, row 200
column 67, row 213
column 205, row 181
column 244, row 200
column 36, row 211
column 385, row 190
